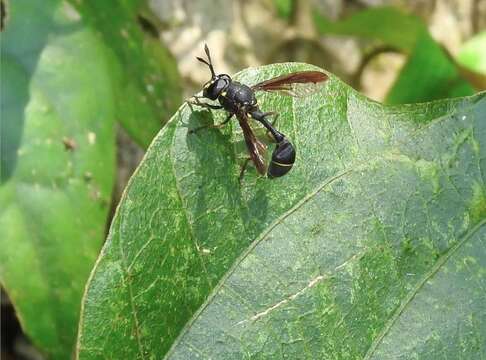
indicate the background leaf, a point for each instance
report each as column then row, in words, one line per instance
column 387, row 25
column 380, row 200
column 284, row 8
column 150, row 91
column 473, row 53
column 57, row 168
column 429, row 73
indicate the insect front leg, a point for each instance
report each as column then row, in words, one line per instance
column 199, row 103
column 214, row 126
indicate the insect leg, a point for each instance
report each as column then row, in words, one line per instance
column 243, row 169
column 275, row 118
column 228, row 118
column 272, row 113
column 261, row 117
column 198, row 102
column 215, row 126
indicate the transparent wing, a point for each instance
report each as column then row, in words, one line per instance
column 301, row 90
column 297, row 84
column 255, row 147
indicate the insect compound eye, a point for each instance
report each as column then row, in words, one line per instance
column 225, row 77
column 208, row 90
column 215, row 88
column 283, row 158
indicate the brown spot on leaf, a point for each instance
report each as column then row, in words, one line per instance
column 95, row 193
column 88, row 176
column 69, row 144
column 3, row 14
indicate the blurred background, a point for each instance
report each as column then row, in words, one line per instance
column 365, row 42
column 394, row 51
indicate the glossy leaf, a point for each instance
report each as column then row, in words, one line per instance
column 57, row 168
column 348, row 255
column 150, row 91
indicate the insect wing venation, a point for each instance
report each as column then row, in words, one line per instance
column 298, row 84
column 255, row 147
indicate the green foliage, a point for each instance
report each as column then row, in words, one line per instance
column 387, row 25
column 372, row 246
column 57, row 166
column 150, row 91
column 473, row 53
column 429, row 73
column 284, row 8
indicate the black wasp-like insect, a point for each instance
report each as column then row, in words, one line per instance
column 239, row 99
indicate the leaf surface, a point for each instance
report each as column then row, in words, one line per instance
column 57, row 166
column 384, row 207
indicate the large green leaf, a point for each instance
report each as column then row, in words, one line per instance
column 57, row 166
column 151, row 90
column 335, row 258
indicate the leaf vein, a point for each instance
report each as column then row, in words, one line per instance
column 401, row 308
column 126, row 280
column 186, row 213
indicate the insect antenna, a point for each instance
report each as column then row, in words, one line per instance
column 210, row 63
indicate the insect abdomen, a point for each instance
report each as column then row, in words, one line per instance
column 283, row 159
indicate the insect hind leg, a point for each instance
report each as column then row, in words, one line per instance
column 275, row 117
column 261, row 117
column 274, row 121
column 243, row 169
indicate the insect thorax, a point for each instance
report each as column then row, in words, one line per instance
column 236, row 96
